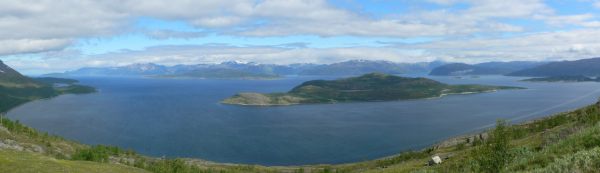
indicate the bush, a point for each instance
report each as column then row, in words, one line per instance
column 98, row 153
column 494, row 154
column 583, row 161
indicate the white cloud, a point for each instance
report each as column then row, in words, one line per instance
column 575, row 44
column 34, row 26
column 16, row 46
column 75, row 19
column 169, row 34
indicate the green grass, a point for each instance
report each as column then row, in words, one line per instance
column 26, row 162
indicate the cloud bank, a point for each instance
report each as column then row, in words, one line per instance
column 458, row 30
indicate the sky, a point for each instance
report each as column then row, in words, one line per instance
column 43, row 36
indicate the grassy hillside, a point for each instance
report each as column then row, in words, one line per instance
column 26, row 162
column 368, row 87
column 11, row 78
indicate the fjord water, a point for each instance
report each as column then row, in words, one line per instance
column 183, row 118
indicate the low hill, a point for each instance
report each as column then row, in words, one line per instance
column 368, row 87
column 585, row 67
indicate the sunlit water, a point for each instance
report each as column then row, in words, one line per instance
column 183, row 118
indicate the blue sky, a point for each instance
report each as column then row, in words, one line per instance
column 50, row 36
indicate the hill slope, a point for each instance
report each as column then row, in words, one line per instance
column 368, row 87
column 11, row 78
column 16, row 89
column 585, row 67
column 26, row 162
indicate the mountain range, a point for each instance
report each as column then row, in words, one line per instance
column 583, row 67
column 235, row 69
column 488, row 68
column 243, row 70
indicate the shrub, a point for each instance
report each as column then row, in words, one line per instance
column 494, row 154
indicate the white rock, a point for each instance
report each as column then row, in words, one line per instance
column 436, row 160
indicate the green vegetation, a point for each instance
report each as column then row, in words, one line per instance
column 27, row 162
column 579, row 78
column 493, row 156
column 13, row 79
column 369, row 87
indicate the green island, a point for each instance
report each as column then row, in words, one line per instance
column 368, row 87
column 579, row 78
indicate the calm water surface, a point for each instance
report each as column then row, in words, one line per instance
column 182, row 118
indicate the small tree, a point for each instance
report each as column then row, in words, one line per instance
column 494, row 154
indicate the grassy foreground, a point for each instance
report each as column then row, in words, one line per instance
column 25, row 162
column 566, row 142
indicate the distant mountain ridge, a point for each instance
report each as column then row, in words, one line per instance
column 488, row 68
column 359, row 67
column 234, row 69
column 583, row 67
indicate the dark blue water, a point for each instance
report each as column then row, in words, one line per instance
column 182, row 118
